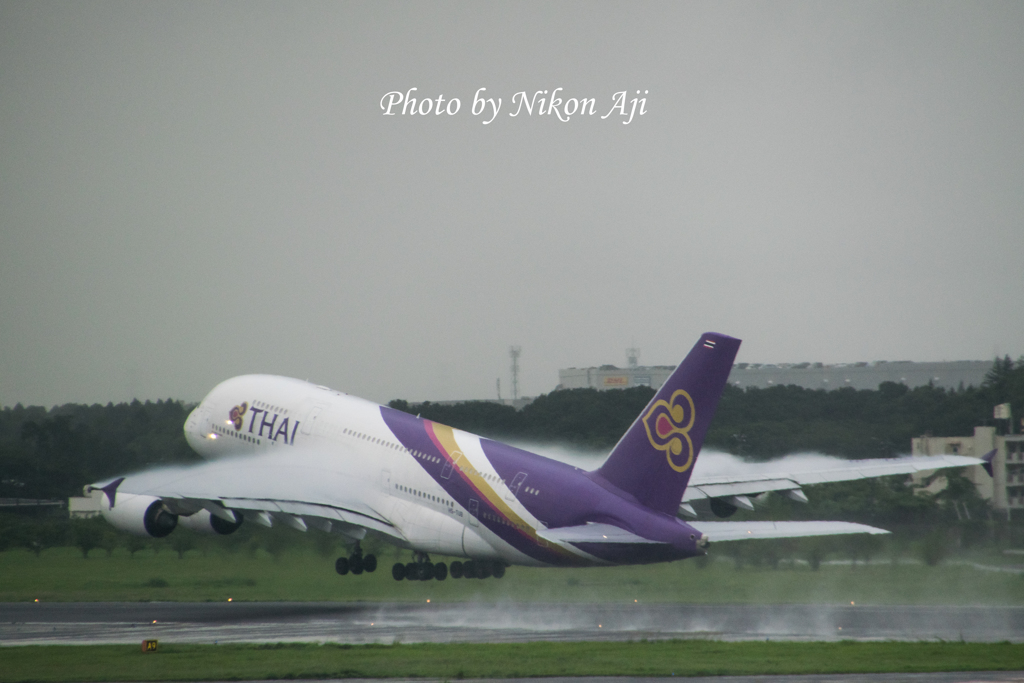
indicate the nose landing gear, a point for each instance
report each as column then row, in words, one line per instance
column 356, row 563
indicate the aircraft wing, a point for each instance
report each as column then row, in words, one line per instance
column 292, row 490
column 756, row 478
column 738, row 531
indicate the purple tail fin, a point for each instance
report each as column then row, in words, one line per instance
column 654, row 459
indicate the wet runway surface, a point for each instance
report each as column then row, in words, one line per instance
column 935, row 677
column 223, row 622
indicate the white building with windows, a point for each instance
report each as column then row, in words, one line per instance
column 89, row 504
column 1005, row 488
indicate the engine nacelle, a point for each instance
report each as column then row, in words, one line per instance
column 722, row 508
column 205, row 523
column 141, row 515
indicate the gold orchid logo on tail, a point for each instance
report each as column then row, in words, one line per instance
column 236, row 415
column 668, row 426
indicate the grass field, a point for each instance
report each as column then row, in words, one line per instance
column 455, row 661
column 62, row 574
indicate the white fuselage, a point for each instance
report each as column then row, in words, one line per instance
column 340, row 447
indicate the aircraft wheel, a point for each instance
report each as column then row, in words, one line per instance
column 370, row 564
column 426, row 571
column 469, row 569
column 440, row 571
column 499, row 570
column 341, row 565
column 483, row 570
column 355, row 563
column 456, row 570
column 398, row 571
column 412, row 572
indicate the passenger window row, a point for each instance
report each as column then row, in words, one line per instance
column 421, row 494
column 234, row 434
column 430, row 458
column 507, row 522
column 270, row 407
column 394, row 446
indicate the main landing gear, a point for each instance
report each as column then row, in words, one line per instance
column 356, row 563
column 422, row 569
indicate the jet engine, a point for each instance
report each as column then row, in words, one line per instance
column 205, row 523
column 722, row 508
column 141, row 515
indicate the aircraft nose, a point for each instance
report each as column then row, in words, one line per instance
column 193, row 420
column 193, row 426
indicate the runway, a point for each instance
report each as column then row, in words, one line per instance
column 358, row 623
column 931, row 677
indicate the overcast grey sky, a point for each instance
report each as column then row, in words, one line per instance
column 195, row 190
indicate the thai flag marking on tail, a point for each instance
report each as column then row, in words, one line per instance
column 709, row 343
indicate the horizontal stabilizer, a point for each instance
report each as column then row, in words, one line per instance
column 592, row 533
column 738, row 531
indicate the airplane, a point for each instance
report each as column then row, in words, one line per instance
column 285, row 451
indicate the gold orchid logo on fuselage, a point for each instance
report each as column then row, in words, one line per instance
column 668, row 426
column 236, row 415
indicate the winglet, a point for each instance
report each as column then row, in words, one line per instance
column 988, row 458
column 111, row 490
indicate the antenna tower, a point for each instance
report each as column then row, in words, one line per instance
column 633, row 356
column 513, row 353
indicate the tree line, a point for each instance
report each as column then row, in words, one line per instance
column 53, row 453
column 761, row 424
column 756, row 423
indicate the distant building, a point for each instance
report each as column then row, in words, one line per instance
column 611, row 377
column 27, row 504
column 518, row 403
column 1005, row 488
column 86, row 506
column 948, row 375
